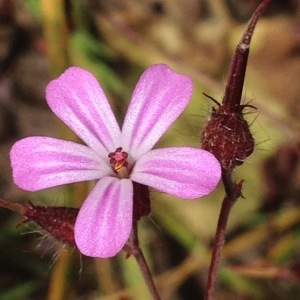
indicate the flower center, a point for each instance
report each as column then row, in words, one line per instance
column 118, row 161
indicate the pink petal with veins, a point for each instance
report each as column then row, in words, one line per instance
column 104, row 221
column 159, row 98
column 43, row 162
column 78, row 100
column 180, row 171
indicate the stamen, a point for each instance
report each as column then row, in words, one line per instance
column 119, row 162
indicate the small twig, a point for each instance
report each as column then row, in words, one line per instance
column 11, row 205
column 233, row 192
column 141, row 261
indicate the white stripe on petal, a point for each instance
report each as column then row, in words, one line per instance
column 104, row 221
column 43, row 162
column 180, row 171
column 159, row 98
column 78, row 100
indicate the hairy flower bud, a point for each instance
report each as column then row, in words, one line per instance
column 58, row 221
column 227, row 134
column 228, row 137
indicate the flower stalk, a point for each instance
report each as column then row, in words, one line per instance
column 227, row 135
column 134, row 249
column 233, row 192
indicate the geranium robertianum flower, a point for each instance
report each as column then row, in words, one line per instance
column 114, row 157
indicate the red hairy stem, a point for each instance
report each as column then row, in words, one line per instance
column 141, row 207
column 136, row 251
column 233, row 192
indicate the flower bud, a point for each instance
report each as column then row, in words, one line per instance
column 228, row 137
column 58, row 221
column 227, row 134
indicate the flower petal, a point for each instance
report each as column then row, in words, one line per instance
column 158, row 99
column 180, row 171
column 78, row 100
column 104, row 221
column 43, row 162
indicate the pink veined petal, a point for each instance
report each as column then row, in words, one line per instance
column 179, row 171
column 43, row 162
column 78, row 100
column 104, row 221
column 159, row 98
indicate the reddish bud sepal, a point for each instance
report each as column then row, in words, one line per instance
column 141, row 201
column 227, row 134
column 58, row 221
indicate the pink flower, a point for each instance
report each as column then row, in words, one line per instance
column 114, row 157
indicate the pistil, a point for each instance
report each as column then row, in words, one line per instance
column 118, row 160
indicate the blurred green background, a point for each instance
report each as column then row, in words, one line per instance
column 116, row 40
